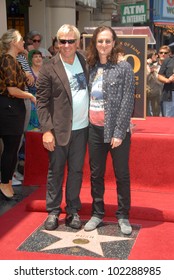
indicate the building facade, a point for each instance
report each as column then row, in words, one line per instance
column 163, row 19
column 46, row 16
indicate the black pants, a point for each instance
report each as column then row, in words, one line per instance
column 73, row 154
column 9, row 156
column 98, row 151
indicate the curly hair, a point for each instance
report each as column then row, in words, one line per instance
column 92, row 54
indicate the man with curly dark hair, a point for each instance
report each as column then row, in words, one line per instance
column 111, row 88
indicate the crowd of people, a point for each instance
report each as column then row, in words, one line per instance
column 76, row 98
column 160, row 99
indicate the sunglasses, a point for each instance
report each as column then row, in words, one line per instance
column 34, row 41
column 163, row 52
column 71, row 41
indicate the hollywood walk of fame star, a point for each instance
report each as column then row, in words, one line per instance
column 87, row 240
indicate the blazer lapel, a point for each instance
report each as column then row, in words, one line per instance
column 60, row 71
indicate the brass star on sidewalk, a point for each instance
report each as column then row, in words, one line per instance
column 88, row 240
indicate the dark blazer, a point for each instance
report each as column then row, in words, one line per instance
column 54, row 99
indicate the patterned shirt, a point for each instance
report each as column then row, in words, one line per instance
column 96, row 110
column 11, row 74
column 118, row 94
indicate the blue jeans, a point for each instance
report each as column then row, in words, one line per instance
column 98, row 151
column 168, row 107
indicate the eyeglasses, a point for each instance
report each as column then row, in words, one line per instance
column 71, row 41
column 163, row 52
column 34, row 41
column 108, row 42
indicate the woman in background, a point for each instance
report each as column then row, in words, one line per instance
column 35, row 61
column 12, row 107
column 35, row 38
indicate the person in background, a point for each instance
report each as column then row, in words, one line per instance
column 36, row 39
column 35, row 61
column 18, row 174
column 12, row 107
column 152, row 56
column 54, row 48
column 154, row 87
column 28, row 47
column 62, row 106
column 163, row 52
column 166, row 76
column 111, row 86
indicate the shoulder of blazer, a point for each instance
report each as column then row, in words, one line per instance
column 54, row 63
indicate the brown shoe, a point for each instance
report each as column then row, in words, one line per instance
column 6, row 190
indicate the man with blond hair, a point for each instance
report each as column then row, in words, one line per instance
column 62, row 106
column 163, row 52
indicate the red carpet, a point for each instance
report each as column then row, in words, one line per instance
column 152, row 177
column 154, row 241
column 145, row 205
column 151, row 158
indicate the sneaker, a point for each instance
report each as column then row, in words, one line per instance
column 15, row 182
column 51, row 222
column 73, row 221
column 18, row 176
column 125, row 226
column 92, row 224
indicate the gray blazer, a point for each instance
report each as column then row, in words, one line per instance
column 54, row 99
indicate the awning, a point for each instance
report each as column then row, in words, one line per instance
column 167, row 26
column 164, row 24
